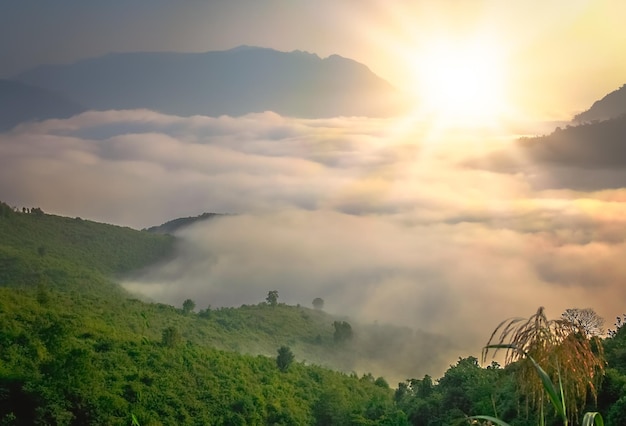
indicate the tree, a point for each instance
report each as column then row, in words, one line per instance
column 619, row 323
column 285, row 358
column 205, row 313
column 343, row 331
column 272, row 297
column 188, row 306
column 318, row 303
column 587, row 320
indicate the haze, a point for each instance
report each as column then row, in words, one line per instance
column 418, row 220
column 559, row 56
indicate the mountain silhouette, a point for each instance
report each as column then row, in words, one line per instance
column 21, row 102
column 591, row 145
column 611, row 106
column 234, row 82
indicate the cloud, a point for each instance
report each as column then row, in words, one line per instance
column 382, row 219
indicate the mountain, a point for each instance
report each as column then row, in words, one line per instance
column 234, row 82
column 584, row 157
column 21, row 102
column 598, row 145
column 611, row 106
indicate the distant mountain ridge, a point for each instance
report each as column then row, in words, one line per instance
column 233, row 82
column 611, row 106
column 20, row 102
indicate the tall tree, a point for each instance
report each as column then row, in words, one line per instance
column 343, row 331
column 587, row 320
column 285, row 358
column 188, row 306
column 318, row 303
column 272, row 297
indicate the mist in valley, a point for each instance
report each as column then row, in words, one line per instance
column 390, row 221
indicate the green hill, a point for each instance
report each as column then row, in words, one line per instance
column 77, row 349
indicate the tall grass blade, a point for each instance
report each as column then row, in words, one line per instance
column 556, row 398
column 550, row 390
column 562, row 393
column 591, row 419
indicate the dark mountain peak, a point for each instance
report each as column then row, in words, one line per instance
column 611, row 106
column 20, row 102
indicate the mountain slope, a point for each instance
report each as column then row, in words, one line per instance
column 171, row 226
column 21, row 102
column 591, row 145
column 611, row 106
column 234, row 82
column 75, row 349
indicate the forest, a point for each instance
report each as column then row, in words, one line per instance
column 77, row 349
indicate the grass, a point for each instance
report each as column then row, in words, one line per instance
column 549, row 352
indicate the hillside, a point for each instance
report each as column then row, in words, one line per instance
column 610, row 106
column 64, row 252
column 75, row 349
column 171, row 226
column 21, row 102
column 591, row 145
column 233, row 82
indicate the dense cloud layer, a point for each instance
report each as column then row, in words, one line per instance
column 383, row 219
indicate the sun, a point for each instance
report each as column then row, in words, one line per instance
column 461, row 84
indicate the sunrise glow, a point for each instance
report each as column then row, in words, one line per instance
column 461, row 84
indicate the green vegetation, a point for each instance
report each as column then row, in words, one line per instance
column 550, row 351
column 285, row 358
column 560, row 350
column 77, row 349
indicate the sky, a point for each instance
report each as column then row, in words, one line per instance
column 555, row 58
column 394, row 220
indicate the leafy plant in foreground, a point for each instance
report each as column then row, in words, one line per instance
column 571, row 359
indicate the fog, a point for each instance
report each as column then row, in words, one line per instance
column 390, row 220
